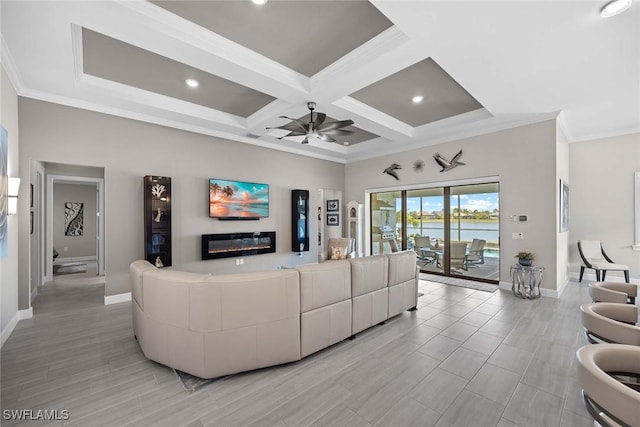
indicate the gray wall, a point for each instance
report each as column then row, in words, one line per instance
column 9, row 265
column 601, row 198
column 75, row 246
column 525, row 160
column 129, row 149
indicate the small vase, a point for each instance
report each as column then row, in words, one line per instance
column 525, row 262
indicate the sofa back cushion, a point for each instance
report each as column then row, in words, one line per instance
column 368, row 274
column 232, row 301
column 136, row 269
column 166, row 295
column 324, row 284
column 402, row 267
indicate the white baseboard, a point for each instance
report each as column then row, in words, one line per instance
column 116, row 299
column 6, row 332
column 20, row 315
column 562, row 287
column 26, row 314
column 75, row 259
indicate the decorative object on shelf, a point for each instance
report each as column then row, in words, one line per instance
column 73, row 218
column 333, row 219
column 333, row 205
column 391, row 170
column 238, row 200
column 229, row 245
column 525, row 258
column 157, row 220
column 315, row 128
column 446, row 164
column 300, row 221
column 418, row 166
column 157, row 190
column 564, row 206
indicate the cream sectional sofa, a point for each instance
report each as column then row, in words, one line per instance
column 215, row 325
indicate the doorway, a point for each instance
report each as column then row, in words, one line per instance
column 454, row 229
column 97, row 229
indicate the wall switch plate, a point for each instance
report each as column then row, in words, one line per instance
column 517, row 236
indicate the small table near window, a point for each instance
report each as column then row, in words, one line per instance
column 526, row 281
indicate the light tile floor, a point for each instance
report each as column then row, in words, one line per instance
column 465, row 358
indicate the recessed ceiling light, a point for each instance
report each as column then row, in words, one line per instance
column 192, row 83
column 345, row 143
column 260, row 2
column 614, row 7
column 417, row 99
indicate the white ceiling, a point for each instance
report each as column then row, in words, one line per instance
column 519, row 61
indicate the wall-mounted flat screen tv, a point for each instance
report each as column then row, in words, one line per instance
column 238, row 199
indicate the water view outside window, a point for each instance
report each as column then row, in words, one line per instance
column 473, row 216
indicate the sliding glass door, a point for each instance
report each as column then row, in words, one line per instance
column 454, row 230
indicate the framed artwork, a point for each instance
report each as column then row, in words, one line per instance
column 564, row 206
column 332, row 205
column 333, row 219
column 73, row 219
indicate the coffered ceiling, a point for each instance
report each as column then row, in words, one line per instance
column 478, row 66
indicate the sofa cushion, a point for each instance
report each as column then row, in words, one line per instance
column 324, row 284
column 368, row 274
column 339, row 252
column 166, row 295
column 230, row 301
column 402, row 267
column 136, row 269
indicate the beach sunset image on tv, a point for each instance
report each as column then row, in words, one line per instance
column 237, row 199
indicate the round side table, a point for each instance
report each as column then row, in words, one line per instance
column 526, row 281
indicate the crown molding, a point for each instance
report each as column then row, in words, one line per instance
column 9, row 65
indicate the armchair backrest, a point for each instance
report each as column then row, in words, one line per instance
column 458, row 250
column 590, row 250
column 422, row 242
column 477, row 245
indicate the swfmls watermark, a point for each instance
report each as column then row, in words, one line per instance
column 35, row 414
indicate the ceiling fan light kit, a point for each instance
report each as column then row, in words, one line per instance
column 315, row 128
column 614, row 8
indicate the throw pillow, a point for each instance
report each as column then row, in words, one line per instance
column 339, row 252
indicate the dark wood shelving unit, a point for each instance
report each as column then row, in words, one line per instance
column 157, row 220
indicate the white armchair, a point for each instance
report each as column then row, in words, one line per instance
column 594, row 257
column 339, row 248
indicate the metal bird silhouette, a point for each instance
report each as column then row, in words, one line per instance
column 446, row 164
column 391, row 170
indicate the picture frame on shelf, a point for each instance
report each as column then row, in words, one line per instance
column 333, row 219
column 333, row 205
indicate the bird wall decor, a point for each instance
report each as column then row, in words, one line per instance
column 391, row 170
column 448, row 164
column 418, row 166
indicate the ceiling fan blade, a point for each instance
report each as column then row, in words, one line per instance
column 334, row 125
column 294, row 125
column 339, row 132
column 326, row 138
column 320, row 117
